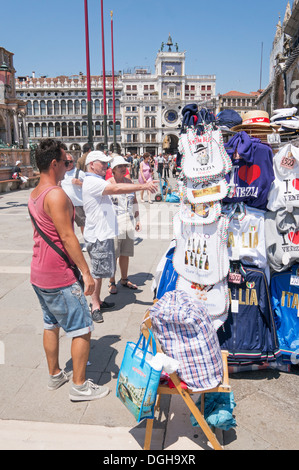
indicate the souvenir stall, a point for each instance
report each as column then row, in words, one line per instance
column 236, row 235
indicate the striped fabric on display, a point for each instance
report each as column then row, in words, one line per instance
column 186, row 333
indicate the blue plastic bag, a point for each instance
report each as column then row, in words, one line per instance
column 172, row 198
column 169, row 276
column 138, row 382
column 218, row 410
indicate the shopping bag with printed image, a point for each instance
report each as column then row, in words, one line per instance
column 138, row 381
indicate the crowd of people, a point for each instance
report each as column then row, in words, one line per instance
column 103, row 203
column 161, row 164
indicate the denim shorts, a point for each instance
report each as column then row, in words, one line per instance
column 65, row 307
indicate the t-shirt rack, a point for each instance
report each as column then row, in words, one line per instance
column 236, row 242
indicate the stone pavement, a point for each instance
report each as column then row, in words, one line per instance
column 31, row 417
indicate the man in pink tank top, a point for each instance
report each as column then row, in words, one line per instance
column 61, row 297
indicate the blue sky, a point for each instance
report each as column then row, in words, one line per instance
column 220, row 37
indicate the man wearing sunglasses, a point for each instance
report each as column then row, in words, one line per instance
column 72, row 185
column 60, row 295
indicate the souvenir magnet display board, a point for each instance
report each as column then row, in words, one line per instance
column 200, row 193
column 199, row 214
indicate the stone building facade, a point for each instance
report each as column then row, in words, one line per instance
column 148, row 105
column 12, row 109
column 283, row 88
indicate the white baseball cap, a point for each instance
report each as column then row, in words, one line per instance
column 97, row 155
column 118, row 160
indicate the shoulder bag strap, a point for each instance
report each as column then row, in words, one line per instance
column 47, row 240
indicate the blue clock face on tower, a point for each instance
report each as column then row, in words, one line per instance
column 171, row 116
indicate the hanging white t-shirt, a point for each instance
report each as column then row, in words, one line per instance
column 284, row 191
column 246, row 235
column 101, row 219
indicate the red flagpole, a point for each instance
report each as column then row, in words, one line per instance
column 87, row 51
column 113, row 87
column 104, row 80
column 89, row 102
column 112, row 53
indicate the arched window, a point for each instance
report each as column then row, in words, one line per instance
column 97, row 108
column 117, row 127
column 64, row 129
column 110, row 106
column 37, row 130
column 77, row 107
column 147, row 122
column 83, row 107
column 98, row 128
column 110, row 128
column 30, row 130
column 70, row 107
column 128, row 123
column 84, row 129
column 117, row 106
column 71, row 129
column 51, row 129
column 153, row 121
column 44, row 130
column 43, row 108
column 56, row 107
column 77, row 129
column 29, row 108
column 63, row 106
column 134, row 122
column 49, row 108
column 57, row 129
column 35, row 108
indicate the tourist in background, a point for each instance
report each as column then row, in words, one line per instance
column 145, row 175
column 126, row 208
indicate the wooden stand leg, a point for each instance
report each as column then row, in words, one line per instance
column 196, row 413
column 148, row 434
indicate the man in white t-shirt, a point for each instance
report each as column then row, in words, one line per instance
column 72, row 186
column 101, row 223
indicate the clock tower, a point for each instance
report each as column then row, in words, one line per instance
column 170, row 72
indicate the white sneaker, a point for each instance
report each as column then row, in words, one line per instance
column 88, row 391
column 56, row 381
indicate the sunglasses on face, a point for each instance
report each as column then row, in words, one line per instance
column 68, row 162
